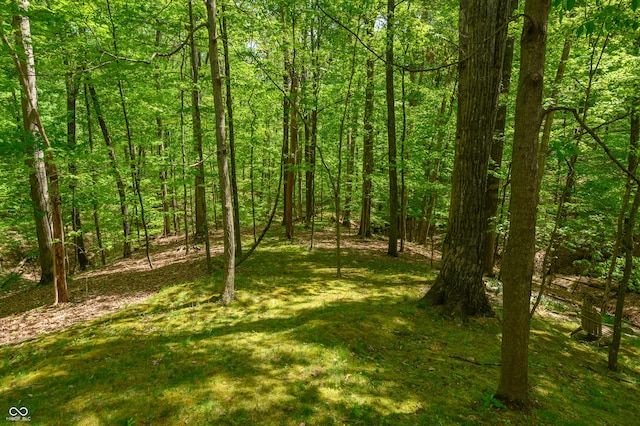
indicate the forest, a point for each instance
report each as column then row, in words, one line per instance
column 319, row 212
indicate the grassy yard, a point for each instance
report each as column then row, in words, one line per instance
column 301, row 347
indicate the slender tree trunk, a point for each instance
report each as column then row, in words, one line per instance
column 291, row 159
column 367, row 150
column 164, row 191
column 76, row 223
column 517, row 265
column 391, row 133
column 629, row 249
column 493, row 180
column 543, row 152
column 196, row 99
column 223, row 168
column 184, row 173
column 94, row 178
column 124, row 209
column 482, row 32
column 351, row 158
column 232, row 143
column 632, row 167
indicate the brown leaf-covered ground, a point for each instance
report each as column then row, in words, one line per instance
column 26, row 310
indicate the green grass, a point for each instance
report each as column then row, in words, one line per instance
column 301, row 346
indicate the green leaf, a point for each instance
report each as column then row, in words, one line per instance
column 570, row 4
column 635, row 4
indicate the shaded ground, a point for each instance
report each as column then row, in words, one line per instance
column 26, row 311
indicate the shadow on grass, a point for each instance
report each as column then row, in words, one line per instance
column 299, row 346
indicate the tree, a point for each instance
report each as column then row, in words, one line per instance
column 482, row 32
column 222, row 157
column 367, row 146
column 628, row 245
column 196, row 99
column 517, row 264
column 391, row 133
column 24, row 61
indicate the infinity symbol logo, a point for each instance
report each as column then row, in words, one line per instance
column 22, row 411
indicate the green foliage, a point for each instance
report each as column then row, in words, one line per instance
column 489, row 401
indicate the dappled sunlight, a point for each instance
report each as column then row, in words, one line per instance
column 301, row 347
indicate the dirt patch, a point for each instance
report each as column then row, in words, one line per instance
column 26, row 311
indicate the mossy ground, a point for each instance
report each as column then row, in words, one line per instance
column 301, row 346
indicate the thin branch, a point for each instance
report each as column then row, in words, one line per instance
column 596, row 138
column 157, row 54
column 380, row 58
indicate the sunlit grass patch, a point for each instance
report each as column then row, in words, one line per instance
column 303, row 346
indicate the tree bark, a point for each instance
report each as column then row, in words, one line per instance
column 367, row 146
column 517, row 265
column 232, row 143
column 196, row 99
column 94, row 178
column 391, row 133
column 227, row 295
column 37, row 140
column 482, row 32
column 493, row 180
column 124, row 209
column 548, row 119
column 629, row 249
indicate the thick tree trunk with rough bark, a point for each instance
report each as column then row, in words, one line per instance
column 517, row 264
column 222, row 156
column 482, row 30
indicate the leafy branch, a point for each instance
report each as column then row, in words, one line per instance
column 596, row 138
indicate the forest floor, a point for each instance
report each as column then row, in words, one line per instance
column 298, row 347
column 26, row 309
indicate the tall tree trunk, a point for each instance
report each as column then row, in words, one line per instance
column 548, row 119
column 164, row 191
column 232, row 143
column 493, row 180
column 124, row 209
column 223, row 167
column 76, row 223
column 39, row 187
column 367, row 150
column 291, row 159
column 391, row 133
column 629, row 249
column 482, row 32
column 37, row 142
column 517, row 265
column 312, row 136
column 352, row 134
column 183, row 151
column 196, row 98
column 94, row 178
